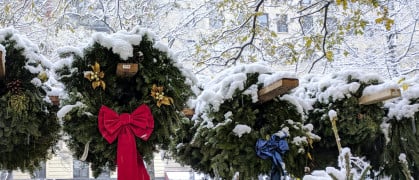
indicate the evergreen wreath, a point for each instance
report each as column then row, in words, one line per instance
column 161, row 83
column 358, row 125
column 209, row 144
column 403, row 134
column 28, row 125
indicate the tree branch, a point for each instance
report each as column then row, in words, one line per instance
column 250, row 42
column 326, row 7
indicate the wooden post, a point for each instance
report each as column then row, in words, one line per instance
column 380, row 96
column 335, row 132
column 277, row 88
column 2, row 66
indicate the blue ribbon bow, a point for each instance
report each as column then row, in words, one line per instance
column 273, row 148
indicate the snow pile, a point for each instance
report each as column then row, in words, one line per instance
column 407, row 105
column 332, row 87
column 225, row 84
column 350, row 167
column 35, row 62
column 241, row 129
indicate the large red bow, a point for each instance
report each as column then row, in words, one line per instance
column 124, row 126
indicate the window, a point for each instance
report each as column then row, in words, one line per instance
column 281, row 23
column 263, row 20
column 307, row 24
column 305, row 2
column 80, row 169
column 215, row 22
column 390, row 5
column 281, row 2
column 40, row 173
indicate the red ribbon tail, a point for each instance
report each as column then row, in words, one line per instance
column 143, row 173
column 129, row 167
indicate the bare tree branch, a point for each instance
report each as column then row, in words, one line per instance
column 250, row 42
column 326, row 7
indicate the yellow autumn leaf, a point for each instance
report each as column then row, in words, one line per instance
column 401, row 80
column 378, row 20
column 273, row 34
column 260, row 13
column 309, row 156
column 389, row 23
column 345, row 53
column 329, row 55
column 7, row 8
column 405, row 86
column 308, row 43
column 244, row 39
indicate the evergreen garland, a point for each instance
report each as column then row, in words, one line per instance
column 186, row 153
column 122, row 94
column 28, row 125
column 210, row 145
column 358, row 125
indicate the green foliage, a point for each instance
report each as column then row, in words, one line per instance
column 404, row 138
column 122, row 94
column 211, row 146
column 28, row 125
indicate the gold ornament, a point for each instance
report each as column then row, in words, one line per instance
column 43, row 76
column 158, row 94
column 96, row 76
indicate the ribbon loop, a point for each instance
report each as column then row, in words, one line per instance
column 125, row 127
column 273, row 148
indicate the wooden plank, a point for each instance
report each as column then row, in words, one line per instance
column 277, row 88
column 55, row 100
column 188, row 112
column 380, row 96
column 2, row 68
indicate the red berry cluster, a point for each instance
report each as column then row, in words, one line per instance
column 14, row 86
